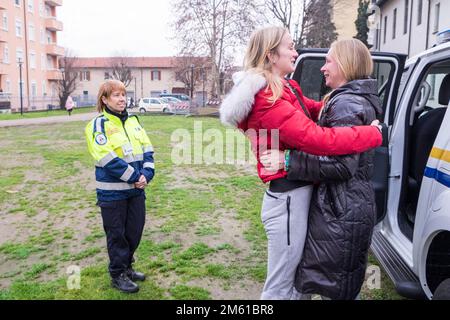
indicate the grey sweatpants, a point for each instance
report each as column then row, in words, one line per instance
column 285, row 219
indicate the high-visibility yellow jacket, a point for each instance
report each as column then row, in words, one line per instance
column 123, row 152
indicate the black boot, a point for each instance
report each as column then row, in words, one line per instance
column 124, row 284
column 134, row 275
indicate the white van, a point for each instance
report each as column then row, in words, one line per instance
column 412, row 169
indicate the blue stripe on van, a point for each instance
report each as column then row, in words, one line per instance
column 437, row 175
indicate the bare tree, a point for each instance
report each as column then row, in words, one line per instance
column 213, row 28
column 291, row 14
column 309, row 21
column 282, row 10
column 190, row 71
column 120, row 70
column 69, row 82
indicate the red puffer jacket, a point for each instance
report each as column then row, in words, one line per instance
column 248, row 108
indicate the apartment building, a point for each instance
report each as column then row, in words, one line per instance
column 29, row 51
column 408, row 26
column 150, row 76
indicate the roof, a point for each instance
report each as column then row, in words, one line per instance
column 132, row 62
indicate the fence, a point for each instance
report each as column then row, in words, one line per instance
column 13, row 103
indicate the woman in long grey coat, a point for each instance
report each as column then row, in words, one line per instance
column 342, row 213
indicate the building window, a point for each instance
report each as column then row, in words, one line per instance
column 385, row 28
column 85, row 76
column 405, row 21
column 17, row 3
column 437, row 10
column 8, row 86
column 19, row 55
column 44, row 88
column 30, row 6
column 5, row 21
column 32, row 60
column 41, row 8
column 419, row 12
column 48, row 11
column 394, row 23
column 156, row 75
column 50, row 65
column 32, row 35
column 18, row 28
column 49, row 37
column 42, row 36
column 6, row 54
column 33, row 89
column 21, row 83
column 107, row 76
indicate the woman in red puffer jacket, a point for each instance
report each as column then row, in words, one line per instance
column 275, row 115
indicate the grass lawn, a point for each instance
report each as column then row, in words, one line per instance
column 203, row 238
column 43, row 114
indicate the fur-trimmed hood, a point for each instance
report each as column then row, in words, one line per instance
column 238, row 104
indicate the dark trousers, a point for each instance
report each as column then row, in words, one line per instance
column 123, row 222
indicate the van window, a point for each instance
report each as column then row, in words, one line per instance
column 312, row 81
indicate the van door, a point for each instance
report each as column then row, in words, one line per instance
column 388, row 69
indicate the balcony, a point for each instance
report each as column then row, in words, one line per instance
column 54, row 75
column 54, row 3
column 52, row 24
column 54, row 50
column 3, row 4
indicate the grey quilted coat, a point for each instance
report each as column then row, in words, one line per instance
column 342, row 213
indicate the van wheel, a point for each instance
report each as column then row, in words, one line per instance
column 142, row 110
column 443, row 291
column 165, row 110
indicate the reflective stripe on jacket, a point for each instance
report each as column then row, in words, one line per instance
column 122, row 153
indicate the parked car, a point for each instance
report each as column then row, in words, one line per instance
column 412, row 168
column 153, row 105
column 181, row 97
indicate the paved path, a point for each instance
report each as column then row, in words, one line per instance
column 47, row 120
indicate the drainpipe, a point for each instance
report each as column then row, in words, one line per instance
column 381, row 31
column 410, row 30
column 428, row 24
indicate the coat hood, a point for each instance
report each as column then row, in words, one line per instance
column 368, row 88
column 238, row 104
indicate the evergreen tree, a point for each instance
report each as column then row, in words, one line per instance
column 361, row 22
column 320, row 31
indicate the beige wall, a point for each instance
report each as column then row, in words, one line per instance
column 37, row 46
column 345, row 13
column 417, row 40
column 143, row 84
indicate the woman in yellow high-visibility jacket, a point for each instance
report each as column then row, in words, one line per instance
column 124, row 167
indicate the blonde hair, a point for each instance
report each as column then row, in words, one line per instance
column 106, row 89
column 263, row 42
column 353, row 59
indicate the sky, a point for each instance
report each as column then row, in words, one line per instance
column 102, row 28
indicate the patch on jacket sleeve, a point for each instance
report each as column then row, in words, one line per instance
column 101, row 139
